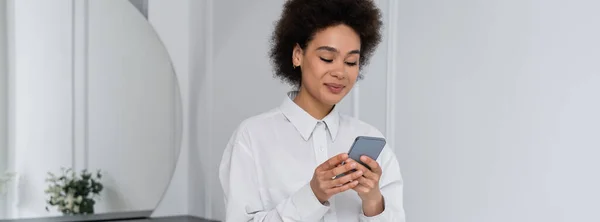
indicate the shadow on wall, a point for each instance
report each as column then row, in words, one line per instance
column 142, row 6
column 239, row 64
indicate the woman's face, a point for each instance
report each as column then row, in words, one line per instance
column 329, row 63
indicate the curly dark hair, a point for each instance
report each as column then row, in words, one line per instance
column 301, row 19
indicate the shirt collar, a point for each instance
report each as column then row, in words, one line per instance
column 304, row 122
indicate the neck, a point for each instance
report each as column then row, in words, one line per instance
column 311, row 105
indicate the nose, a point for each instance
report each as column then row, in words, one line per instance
column 339, row 72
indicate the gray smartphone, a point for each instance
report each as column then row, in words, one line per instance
column 365, row 146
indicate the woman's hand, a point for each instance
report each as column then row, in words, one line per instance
column 324, row 182
column 368, row 187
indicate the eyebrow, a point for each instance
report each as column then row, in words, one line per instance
column 331, row 49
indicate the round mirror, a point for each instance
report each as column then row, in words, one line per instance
column 92, row 110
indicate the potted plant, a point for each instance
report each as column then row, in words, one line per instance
column 73, row 194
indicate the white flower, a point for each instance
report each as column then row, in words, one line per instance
column 69, row 200
column 76, row 209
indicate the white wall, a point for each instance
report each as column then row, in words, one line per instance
column 171, row 21
column 3, row 97
column 181, row 26
column 3, row 85
column 71, row 110
column 497, row 110
column 42, row 96
column 131, row 95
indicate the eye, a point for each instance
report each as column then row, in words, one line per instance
column 326, row 60
column 351, row 63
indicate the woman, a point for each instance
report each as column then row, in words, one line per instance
column 280, row 165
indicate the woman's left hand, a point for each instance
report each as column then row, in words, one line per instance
column 368, row 186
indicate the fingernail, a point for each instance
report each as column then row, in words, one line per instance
column 359, row 172
column 353, row 165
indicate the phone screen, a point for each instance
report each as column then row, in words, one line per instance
column 365, row 146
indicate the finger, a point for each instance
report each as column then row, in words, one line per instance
column 333, row 161
column 340, row 169
column 367, row 173
column 370, row 184
column 361, row 189
column 372, row 164
column 343, row 188
column 345, row 179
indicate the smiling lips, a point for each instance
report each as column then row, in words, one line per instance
column 334, row 88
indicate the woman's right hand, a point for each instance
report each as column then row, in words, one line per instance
column 324, row 182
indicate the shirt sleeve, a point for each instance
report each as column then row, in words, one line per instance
column 239, row 181
column 391, row 185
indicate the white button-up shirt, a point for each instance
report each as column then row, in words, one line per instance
column 270, row 159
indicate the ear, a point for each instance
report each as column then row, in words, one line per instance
column 297, row 55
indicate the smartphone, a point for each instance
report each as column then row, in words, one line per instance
column 365, row 146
